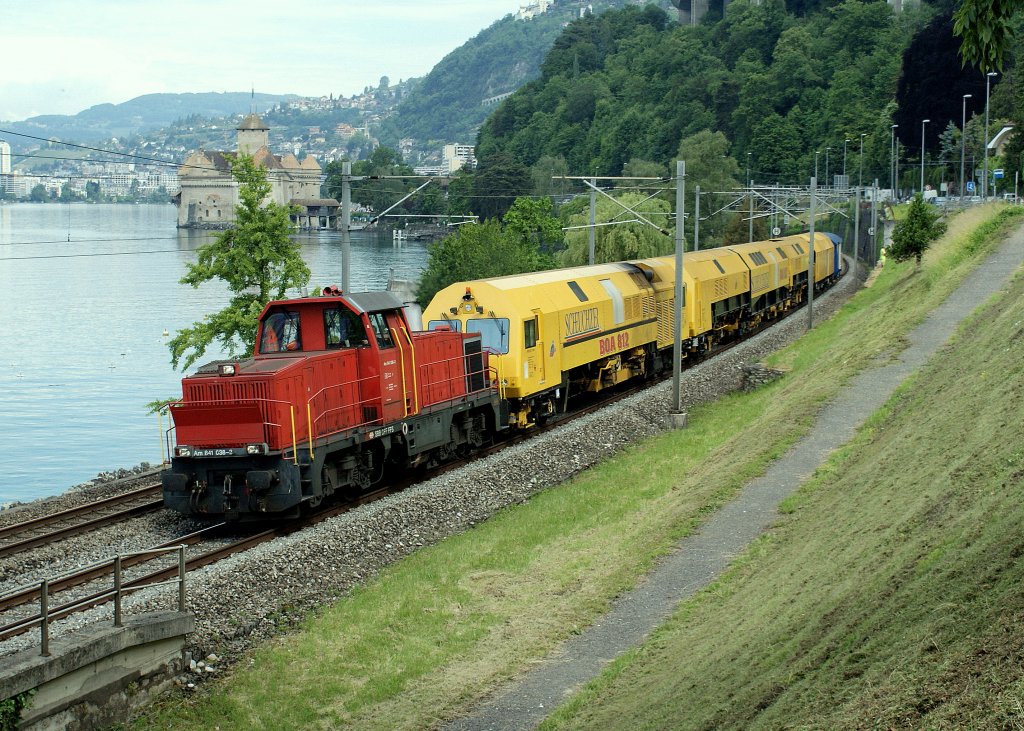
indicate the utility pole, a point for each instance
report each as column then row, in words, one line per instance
column 892, row 160
column 984, row 183
column 750, row 235
column 963, row 146
column 874, row 220
column 923, row 123
column 856, row 230
column 860, row 172
column 592, row 233
column 678, row 416
column 346, row 225
column 696, row 218
column 810, row 259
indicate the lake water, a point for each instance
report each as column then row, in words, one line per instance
column 86, row 293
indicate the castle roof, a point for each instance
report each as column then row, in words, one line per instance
column 289, row 161
column 253, row 122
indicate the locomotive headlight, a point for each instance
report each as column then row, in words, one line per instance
column 256, row 449
column 183, row 451
column 226, row 369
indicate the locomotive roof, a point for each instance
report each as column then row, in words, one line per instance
column 359, row 301
column 373, row 301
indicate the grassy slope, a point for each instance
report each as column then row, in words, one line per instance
column 446, row 625
column 888, row 597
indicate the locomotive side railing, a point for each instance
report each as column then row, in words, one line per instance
column 336, row 408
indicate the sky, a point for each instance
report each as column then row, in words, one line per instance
column 64, row 56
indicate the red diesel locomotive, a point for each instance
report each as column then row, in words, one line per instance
column 338, row 392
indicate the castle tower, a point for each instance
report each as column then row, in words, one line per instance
column 252, row 134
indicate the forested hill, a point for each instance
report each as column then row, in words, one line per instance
column 449, row 104
column 140, row 115
column 633, row 85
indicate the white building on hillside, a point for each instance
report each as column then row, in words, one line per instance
column 457, row 157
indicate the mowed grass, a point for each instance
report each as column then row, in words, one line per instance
column 436, row 631
column 890, row 594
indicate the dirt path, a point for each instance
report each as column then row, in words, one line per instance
column 703, row 556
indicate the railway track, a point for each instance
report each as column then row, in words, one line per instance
column 37, row 532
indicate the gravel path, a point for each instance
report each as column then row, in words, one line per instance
column 707, row 553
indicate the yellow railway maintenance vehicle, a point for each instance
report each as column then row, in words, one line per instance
column 558, row 333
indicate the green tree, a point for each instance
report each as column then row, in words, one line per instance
column 914, row 234
column 258, row 261
column 530, row 226
column 497, row 184
column 709, row 165
column 483, row 250
column 621, row 241
column 38, row 194
column 93, row 193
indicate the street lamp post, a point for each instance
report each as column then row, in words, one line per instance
column 892, row 159
column 984, row 182
column 816, row 153
column 845, row 143
column 827, row 150
column 923, row 123
column 860, row 171
column 963, row 146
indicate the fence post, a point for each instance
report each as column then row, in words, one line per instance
column 181, row 578
column 44, row 623
column 117, row 591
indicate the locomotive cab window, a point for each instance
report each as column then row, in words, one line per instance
column 343, row 329
column 493, row 332
column 380, row 330
column 530, row 333
column 281, row 333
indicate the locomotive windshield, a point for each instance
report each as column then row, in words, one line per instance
column 343, row 329
column 493, row 332
column 281, row 333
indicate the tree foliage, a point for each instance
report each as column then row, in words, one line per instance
column 986, row 31
column 257, row 260
column 629, row 84
column 621, row 240
column 487, row 249
column 914, row 234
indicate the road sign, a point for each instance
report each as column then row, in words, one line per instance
column 776, row 231
column 997, row 174
column 871, row 230
column 970, row 186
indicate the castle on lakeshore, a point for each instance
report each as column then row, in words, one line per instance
column 209, row 194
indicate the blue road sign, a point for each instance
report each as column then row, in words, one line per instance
column 970, row 186
column 997, row 174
